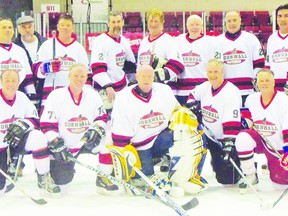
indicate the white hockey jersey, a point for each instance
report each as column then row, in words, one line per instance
column 277, row 58
column 107, row 61
column 138, row 120
column 220, row 108
column 19, row 108
column 14, row 58
column 271, row 120
column 63, row 117
column 195, row 55
column 163, row 46
column 240, row 56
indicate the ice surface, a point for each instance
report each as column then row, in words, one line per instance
column 82, row 199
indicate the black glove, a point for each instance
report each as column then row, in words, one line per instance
column 161, row 75
column 16, row 132
column 92, row 137
column 59, row 150
column 159, row 62
column 228, row 148
column 34, row 98
column 195, row 107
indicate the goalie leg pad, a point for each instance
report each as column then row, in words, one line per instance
column 124, row 159
column 186, row 154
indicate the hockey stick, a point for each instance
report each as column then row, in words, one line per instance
column 263, row 204
column 11, row 186
column 162, row 194
column 37, row 201
column 136, row 191
column 280, row 197
column 54, row 54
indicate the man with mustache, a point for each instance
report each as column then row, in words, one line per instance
column 111, row 58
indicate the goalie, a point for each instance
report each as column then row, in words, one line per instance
column 141, row 116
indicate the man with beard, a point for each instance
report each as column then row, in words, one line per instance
column 111, row 58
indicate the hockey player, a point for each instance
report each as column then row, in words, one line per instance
column 270, row 118
column 73, row 121
column 196, row 50
column 19, row 130
column 159, row 49
column 13, row 57
column 111, row 57
column 276, row 50
column 140, row 116
column 241, row 53
column 56, row 56
column 216, row 103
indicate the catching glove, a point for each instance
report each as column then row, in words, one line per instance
column 228, row 147
column 284, row 159
column 161, row 75
column 195, row 107
column 51, row 66
column 92, row 137
column 58, row 149
column 159, row 62
column 16, row 132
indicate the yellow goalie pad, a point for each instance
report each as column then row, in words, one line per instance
column 124, row 159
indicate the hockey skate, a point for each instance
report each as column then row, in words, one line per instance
column 47, row 185
column 244, row 186
column 163, row 162
column 105, row 187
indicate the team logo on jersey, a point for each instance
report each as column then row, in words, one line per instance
column 10, row 64
column 120, row 59
column 209, row 114
column 234, row 57
column 77, row 125
column 191, row 59
column 265, row 128
column 280, row 55
column 145, row 57
column 152, row 120
column 6, row 123
column 66, row 63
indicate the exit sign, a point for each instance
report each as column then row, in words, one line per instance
column 50, row 8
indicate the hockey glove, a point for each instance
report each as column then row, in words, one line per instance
column 34, row 98
column 159, row 62
column 52, row 66
column 195, row 107
column 58, row 149
column 16, row 133
column 284, row 159
column 228, row 148
column 92, row 137
column 161, row 75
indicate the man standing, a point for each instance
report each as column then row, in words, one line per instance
column 159, row 49
column 30, row 41
column 111, row 57
column 56, row 56
column 277, row 46
column 241, row 53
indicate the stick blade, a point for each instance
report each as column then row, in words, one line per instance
column 191, row 204
column 9, row 188
column 39, row 201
